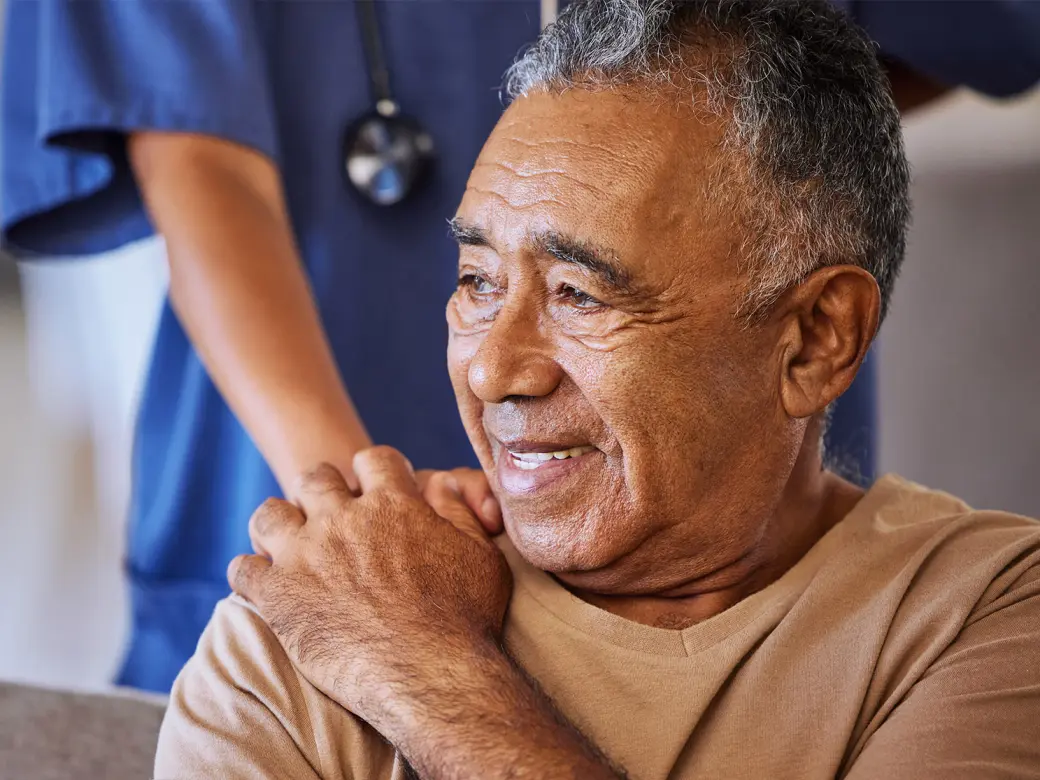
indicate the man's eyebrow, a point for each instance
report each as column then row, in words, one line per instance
column 600, row 261
column 597, row 260
column 468, row 235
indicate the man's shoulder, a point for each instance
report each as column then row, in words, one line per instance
column 239, row 636
column 240, row 705
column 897, row 512
column 936, row 554
column 950, row 597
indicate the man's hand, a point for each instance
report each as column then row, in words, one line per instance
column 392, row 602
column 372, row 596
column 443, row 490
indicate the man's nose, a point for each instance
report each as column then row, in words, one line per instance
column 515, row 358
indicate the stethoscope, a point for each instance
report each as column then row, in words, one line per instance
column 386, row 154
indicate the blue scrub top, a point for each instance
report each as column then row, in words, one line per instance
column 284, row 78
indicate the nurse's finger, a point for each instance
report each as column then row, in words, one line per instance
column 246, row 575
column 322, row 491
column 384, row 468
column 273, row 526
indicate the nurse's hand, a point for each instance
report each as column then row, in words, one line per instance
column 445, row 489
column 379, row 599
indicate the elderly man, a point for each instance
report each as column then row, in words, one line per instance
column 675, row 250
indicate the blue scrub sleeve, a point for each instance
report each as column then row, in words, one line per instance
column 992, row 46
column 79, row 75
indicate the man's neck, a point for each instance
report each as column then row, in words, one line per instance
column 813, row 502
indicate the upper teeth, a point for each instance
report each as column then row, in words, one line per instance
column 532, row 460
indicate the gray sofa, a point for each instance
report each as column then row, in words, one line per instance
column 59, row 735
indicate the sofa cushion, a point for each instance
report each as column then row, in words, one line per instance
column 57, row 735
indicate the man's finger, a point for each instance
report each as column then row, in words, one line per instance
column 422, row 476
column 477, row 494
column 246, row 575
column 385, row 468
column 322, row 490
column 443, row 494
column 273, row 525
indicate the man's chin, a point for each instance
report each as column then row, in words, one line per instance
column 560, row 546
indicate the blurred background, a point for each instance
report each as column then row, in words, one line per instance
column 959, row 368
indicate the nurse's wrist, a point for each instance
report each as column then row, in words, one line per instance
column 331, row 438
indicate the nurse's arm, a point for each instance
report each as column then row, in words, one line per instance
column 238, row 287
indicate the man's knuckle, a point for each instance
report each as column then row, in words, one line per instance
column 382, row 456
column 323, row 472
column 382, row 453
column 321, row 479
column 271, row 506
column 272, row 514
column 259, row 517
column 241, row 574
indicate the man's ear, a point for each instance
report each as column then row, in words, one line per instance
column 828, row 324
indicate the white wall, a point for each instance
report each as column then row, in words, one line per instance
column 960, row 352
column 72, row 357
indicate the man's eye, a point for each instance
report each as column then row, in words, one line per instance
column 578, row 299
column 477, row 285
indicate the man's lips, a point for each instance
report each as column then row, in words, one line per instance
column 526, row 465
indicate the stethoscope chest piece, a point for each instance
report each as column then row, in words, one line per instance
column 385, row 154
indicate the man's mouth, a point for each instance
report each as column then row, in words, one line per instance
column 528, row 461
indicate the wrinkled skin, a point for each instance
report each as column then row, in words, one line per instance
column 705, row 480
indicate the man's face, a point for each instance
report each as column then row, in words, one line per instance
column 628, row 423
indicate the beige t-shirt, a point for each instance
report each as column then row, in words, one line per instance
column 905, row 644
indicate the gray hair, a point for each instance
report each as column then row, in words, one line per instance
column 821, row 173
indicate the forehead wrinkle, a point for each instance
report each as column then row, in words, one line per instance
column 538, row 203
column 610, row 151
column 534, row 175
column 592, row 157
column 618, row 144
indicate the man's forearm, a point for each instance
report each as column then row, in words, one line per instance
column 484, row 719
column 240, row 291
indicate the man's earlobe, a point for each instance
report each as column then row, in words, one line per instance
column 831, row 320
